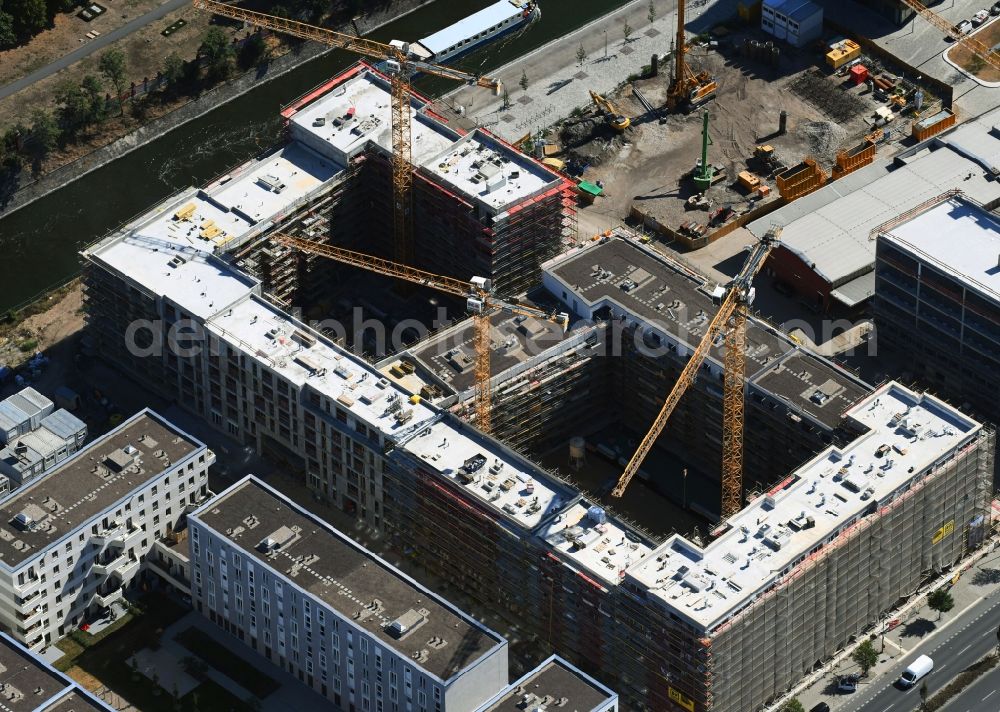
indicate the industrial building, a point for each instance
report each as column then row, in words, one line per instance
column 937, row 299
column 827, row 250
column 35, row 437
column 29, row 684
column 348, row 624
column 71, row 541
column 797, row 22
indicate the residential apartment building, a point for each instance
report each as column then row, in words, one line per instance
column 29, row 684
column 937, row 301
column 555, row 684
column 72, row 541
column 34, row 437
column 346, row 623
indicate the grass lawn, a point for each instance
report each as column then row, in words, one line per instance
column 216, row 655
column 105, row 659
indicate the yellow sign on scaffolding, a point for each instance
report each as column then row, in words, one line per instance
column 680, row 698
column 944, row 531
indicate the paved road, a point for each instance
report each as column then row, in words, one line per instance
column 981, row 696
column 961, row 641
column 92, row 46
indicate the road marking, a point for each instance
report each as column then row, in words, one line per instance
column 964, row 649
column 888, row 708
column 989, row 696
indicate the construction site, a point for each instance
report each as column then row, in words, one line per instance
column 608, row 450
column 778, row 123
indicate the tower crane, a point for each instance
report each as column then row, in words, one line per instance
column 730, row 319
column 400, row 63
column 612, row 114
column 988, row 54
column 688, row 89
column 477, row 293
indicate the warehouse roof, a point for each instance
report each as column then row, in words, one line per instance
column 906, row 436
column 347, row 578
column 830, row 229
column 959, row 238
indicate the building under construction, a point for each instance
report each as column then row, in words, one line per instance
column 899, row 490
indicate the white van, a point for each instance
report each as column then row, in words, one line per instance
column 916, row 670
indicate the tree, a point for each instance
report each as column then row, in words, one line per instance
column 8, row 38
column 44, row 134
column 173, row 70
column 581, row 55
column 627, row 30
column 112, row 66
column 255, row 52
column 793, row 705
column 73, row 108
column 217, row 51
column 941, row 601
column 93, row 88
column 865, row 656
column 506, row 99
column 524, row 80
column 29, row 16
column 651, row 12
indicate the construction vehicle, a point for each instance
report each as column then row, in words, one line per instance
column 982, row 50
column 729, row 321
column 688, row 90
column 479, row 300
column 400, row 64
column 615, row 118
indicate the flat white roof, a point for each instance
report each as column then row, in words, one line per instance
column 305, row 358
column 907, row 433
column 514, row 487
column 471, row 25
column 358, row 111
column 490, row 172
column 586, row 535
column 959, row 238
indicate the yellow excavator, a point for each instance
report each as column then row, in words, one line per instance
column 615, row 118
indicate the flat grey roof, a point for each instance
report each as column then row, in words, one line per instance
column 347, row 577
column 558, row 679
column 25, row 679
column 677, row 301
column 84, row 485
column 959, row 238
column 75, row 701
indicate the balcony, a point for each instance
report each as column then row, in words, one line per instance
column 119, row 535
column 32, row 616
column 110, row 566
column 106, row 599
column 127, row 570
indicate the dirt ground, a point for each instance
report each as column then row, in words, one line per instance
column 68, row 34
column 644, row 166
column 989, row 36
column 144, row 50
column 61, row 320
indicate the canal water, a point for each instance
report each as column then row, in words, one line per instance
column 39, row 242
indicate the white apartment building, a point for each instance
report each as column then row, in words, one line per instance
column 346, row 623
column 71, row 542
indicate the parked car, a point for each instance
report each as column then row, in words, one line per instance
column 995, row 10
column 821, row 707
column 964, row 27
column 980, row 17
column 848, row 683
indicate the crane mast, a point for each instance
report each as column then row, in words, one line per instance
column 730, row 320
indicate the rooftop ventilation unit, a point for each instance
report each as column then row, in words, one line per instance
column 406, row 623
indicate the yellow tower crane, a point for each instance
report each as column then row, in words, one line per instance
column 400, row 64
column 731, row 319
column 612, row 114
column 478, row 299
column 688, row 89
column 986, row 53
